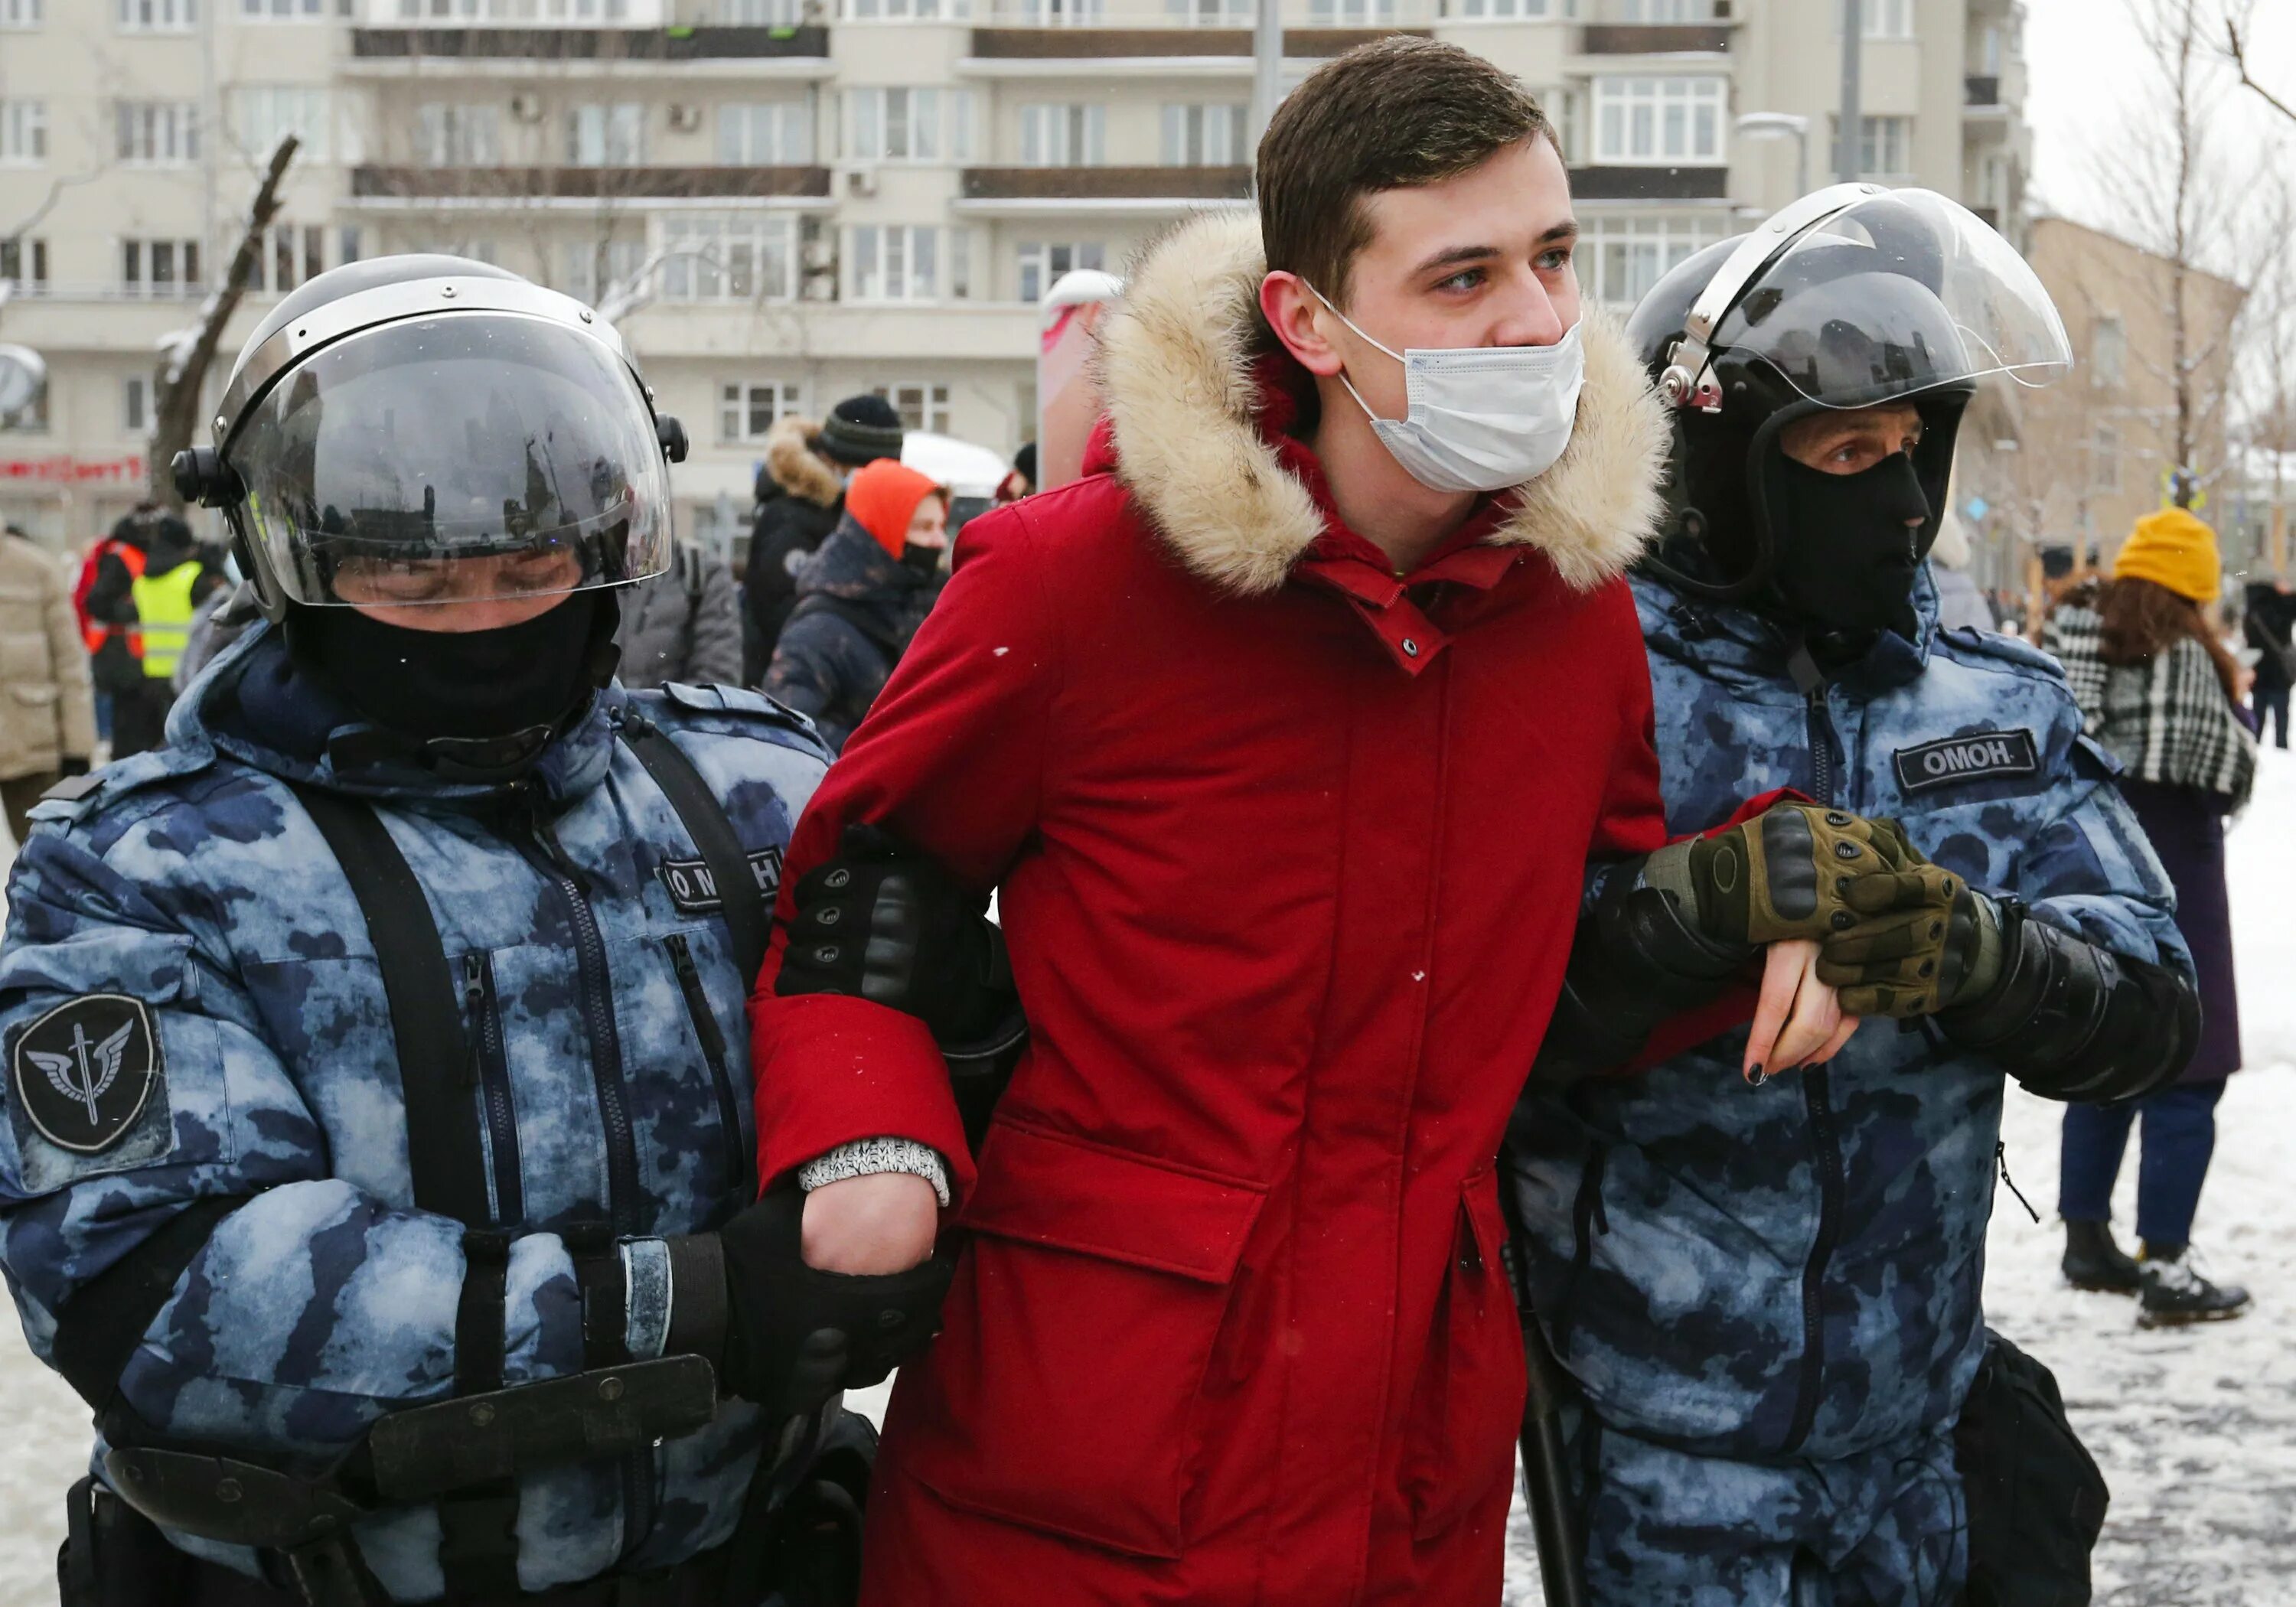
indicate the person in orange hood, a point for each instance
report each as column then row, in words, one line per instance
column 861, row 598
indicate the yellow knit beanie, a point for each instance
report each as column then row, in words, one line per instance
column 2174, row 549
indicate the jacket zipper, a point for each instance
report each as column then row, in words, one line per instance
column 1817, row 1095
column 491, row 1073
column 713, row 1050
column 621, row 1140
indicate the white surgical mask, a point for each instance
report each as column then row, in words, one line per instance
column 1479, row 418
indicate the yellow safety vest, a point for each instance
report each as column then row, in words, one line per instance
column 163, row 609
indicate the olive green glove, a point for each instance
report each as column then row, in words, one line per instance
column 1917, row 961
column 1790, row 873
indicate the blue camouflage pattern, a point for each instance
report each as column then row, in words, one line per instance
column 1764, row 1287
column 192, row 879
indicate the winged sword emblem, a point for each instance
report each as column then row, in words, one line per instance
column 85, row 1074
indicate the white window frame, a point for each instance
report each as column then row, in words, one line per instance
column 923, row 400
column 1511, row 10
column 1883, row 19
column 739, row 257
column 1669, row 11
column 761, row 14
column 289, row 254
column 606, row 134
column 1211, row 14
column 13, row 253
column 579, row 259
column 21, row 15
column 458, row 134
column 2108, row 353
column 291, row 10
column 1063, row 13
column 136, row 404
column 1045, row 260
column 1063, row 134
column 904, row 10
column 876, row 113
column 1350, row 13
column 738, row 410
column 891, row 263
column 1885, row 147
column 155, row 133
column 1656, row 120
column 1205, row 133
column 155, row 16
column 23, row 133
column 140, row 258
column 764, row 134
column 1620, row 256
column 261, row 113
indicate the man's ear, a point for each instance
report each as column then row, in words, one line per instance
column 1296, row 315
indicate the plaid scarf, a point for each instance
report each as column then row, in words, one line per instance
column 2166, row 719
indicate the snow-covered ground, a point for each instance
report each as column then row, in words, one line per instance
column 2196, row 1430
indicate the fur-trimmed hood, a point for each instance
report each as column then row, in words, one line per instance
column 1176, row 366
column 796, row 467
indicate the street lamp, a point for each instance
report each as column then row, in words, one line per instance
column 1779, row 124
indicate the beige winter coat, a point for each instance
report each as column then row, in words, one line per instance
column 47, row 709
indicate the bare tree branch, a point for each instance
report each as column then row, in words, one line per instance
column 2237, row 53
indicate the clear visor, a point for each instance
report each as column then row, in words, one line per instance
column 453, row 459
column 1897, row 295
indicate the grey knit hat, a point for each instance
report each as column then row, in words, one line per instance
column 860, row 431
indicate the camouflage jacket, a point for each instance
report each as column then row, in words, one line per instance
column 605, row 1011
column 1795, row 1269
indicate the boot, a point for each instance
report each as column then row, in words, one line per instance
column 2094, row 1262
column 2176, row 1293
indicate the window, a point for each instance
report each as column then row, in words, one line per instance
column 1063, row 136
column 1206, row 136
column 160, row 269
column 1620, row 258
column 1350, row 13
column 1042, row 265
column 543, row 13
column 761, row 14
column 1885, row 147
column 478, row 248
column 19, row 13
column 1501, row 8
column 24, row 264
column 898, row 262
column 865, row 10
column 2108, row 354
column 156, row 133
column 1670, row 10
column 1211, row 14
column 606, row 136
column 1884, row 20
column 450, row 135
column 265, row 114
column 746, row 412
column 290, row 255
column 289, row 11
column 894, row 125
column 158, row 16
column 1054, row 13
column 920, row 406
column 728, row 256
column 593, row 267
column 32, row 421
column 2104, row 461
column 1658, row 121
column 348, row 243
column 765, row 134
column 136, row 404
column 23, row 132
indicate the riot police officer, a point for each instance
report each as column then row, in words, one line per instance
column 378, row 1160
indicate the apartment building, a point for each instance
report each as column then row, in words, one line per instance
column 822, row 196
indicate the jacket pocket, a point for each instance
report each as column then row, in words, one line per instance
column 1467, row 1407
column 1063, row 1392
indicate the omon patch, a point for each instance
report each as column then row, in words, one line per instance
column 1979, row 756
column 694, row 890
column 83, row 1071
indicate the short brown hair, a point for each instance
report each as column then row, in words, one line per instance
column 1399, row 111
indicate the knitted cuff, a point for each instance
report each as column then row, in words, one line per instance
column 866, row 1157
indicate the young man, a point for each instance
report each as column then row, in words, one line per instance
column 1768, row 1297
column 1287, row 742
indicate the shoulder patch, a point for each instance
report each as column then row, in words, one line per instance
column 83, row 1072
column 694, row 890
column 1974, row 756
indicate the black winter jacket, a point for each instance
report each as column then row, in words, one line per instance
column 800, row 499
column 857, row 608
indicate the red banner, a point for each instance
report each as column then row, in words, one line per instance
column 62, row 469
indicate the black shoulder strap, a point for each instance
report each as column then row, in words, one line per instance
column 99, row 1328
column 444, row 1151
column 749, row 923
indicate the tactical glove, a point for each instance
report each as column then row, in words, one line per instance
column 883, row 923
column 1791, row 873
column 1943, row 951
column 795, row 1335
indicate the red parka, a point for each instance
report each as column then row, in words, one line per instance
column 1291, row 853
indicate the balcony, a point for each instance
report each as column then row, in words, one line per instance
column 1070, row 44
column 1656, row 39
column 526, row 50
column 1981, row 91
column 1650, row 183
column 1109, row 192
column 513, row 188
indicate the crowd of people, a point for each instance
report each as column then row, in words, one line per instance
column 1526, row 869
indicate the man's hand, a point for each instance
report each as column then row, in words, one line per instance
column 870, row 1226
column 1798, row 1020
column 1792, row 872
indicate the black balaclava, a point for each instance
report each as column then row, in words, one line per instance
column 924, row 561
column 484, row 700
column 1846, row 547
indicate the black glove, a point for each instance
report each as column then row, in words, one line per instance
column 795, row 1335
column 71, row 766
column 883, row 923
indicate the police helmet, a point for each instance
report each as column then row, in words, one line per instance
column 393, row 418
column 1852, row 297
